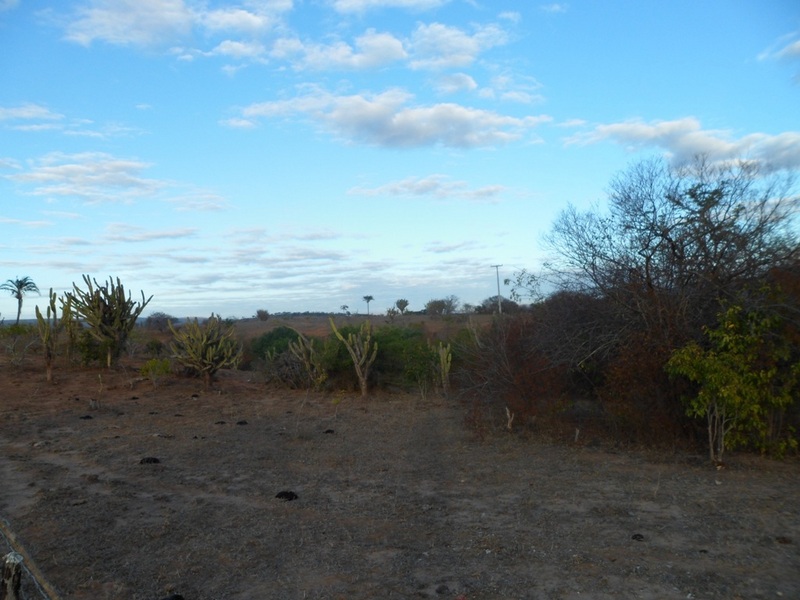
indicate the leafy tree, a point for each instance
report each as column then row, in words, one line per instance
column 207, row 348
column 18, row 288
column 402, row 305
column 489, row 305
column 158, row 321
column 744, row 377
column 368, row 299
column 442, row 306
column 109, row 312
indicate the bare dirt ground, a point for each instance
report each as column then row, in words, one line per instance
column 396, row 498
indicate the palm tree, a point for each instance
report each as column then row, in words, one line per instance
column 18, row 288
column 368, row 299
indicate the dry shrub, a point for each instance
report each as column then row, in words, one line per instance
column 641, row 403
column 503, row 366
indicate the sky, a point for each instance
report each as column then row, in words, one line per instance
column 298, row 155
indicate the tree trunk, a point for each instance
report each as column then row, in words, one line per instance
column 12, row 576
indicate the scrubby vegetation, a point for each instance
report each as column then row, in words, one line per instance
column 672, row 317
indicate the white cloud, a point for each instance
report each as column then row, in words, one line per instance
column 437, row 186
column 372, row 50
column 236, row 19
column 351, row 6
column 136, row 22
column 28, row 111
column 555, row 7
column 93, row 177
column 438, row 46
column 123, row 232
column 240, row 50
column 157, row 22
column 787, row 48
column 683, row 139
column 458, row 82
column 386, row 120
column 8, row 4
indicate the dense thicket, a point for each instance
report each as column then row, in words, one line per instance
column 652, row 272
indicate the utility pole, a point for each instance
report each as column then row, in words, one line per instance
column 499, row 304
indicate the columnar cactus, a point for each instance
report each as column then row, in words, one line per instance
column 205, row 349
column 362, row 350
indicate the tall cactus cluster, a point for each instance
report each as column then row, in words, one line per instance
column 362, row 350
column 110, row 314
column 50, row 327
column 205, row 349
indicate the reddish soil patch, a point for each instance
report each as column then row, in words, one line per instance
column 396, row 498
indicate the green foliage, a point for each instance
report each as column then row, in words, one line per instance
column 17, row 341
column 273, row 342
column 156, row 369
column 154, row 347
column 262, row 314
column 109, row 313
column 207, row 348
column 405, row 358
column 361, row 349
column 746, row 379
column 402, row 305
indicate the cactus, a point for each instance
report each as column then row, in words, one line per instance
column 110, row 314
column 445, row 360
column 303, row 349
column 50, row 327
column 362, row 350
column 205, row 349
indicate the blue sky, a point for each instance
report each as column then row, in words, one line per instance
column 297, row 155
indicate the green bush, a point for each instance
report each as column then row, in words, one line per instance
column 405, row 358
column 156, row 369
column 273, row 342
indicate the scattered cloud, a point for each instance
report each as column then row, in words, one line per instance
column 357, row 6
column 438, row 46
column 31, row 224
column 93, row 177
column 123, row 232
column 554, row 8
column 785, row 49
column 238, row 50
column 683, row 139
column 27, row 112
column 8, row 4
column 457, row 82
column 436, row 186
column 370, row 50
column 153, row 23
column 387, row 120
column 130, row 22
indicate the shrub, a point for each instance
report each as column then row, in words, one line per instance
column 155, row 369
column 273, row 342
column 205, row 349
